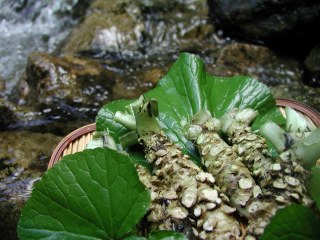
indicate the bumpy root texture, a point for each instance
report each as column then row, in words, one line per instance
column 232, row 176
column 196, row 197
column 280, row 178
column 162, row 199
column 188, row 193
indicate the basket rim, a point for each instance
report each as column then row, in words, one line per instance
column 67, row 140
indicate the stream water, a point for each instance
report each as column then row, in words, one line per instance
column 123, row 48
column 28, row 26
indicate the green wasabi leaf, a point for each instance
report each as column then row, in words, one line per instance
column 186, row 89
column 104, row 119
column 294, row 222
column 313, row 186
column 94, row 194
column 223, row 94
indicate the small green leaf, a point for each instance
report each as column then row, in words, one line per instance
column 94, row 194
column 105, row 117
column 294, row 222
column 313, row 185
column 166, row 235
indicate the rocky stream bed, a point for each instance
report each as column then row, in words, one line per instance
column 61, row 61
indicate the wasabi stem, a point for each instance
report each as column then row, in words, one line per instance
column 280, row 139
column 281, row 178
column 146, row 118
column 232, row 177
column 297, row 122
column 129, row 109
column 201, row 117
column 297, row 136
column 305, row 150
column 129, row 139
column 101, row 139
column 186, row 193
column 125, row 119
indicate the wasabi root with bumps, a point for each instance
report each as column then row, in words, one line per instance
column 233, row 178
column 159, row 217
column 190, row 193
column 281, row 178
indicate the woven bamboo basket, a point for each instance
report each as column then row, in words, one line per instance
column 76, row 141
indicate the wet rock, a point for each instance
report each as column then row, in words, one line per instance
column 142, row 27
column 164, row 5
column 55, row 117
column 109, row 25
column 179, row 25
column 24, row 156
column 299, row 92
column 256, row 61
column 289, row 24
column 7, row 113
column 9, row 217
column 43, row 122
column 80, row 86
column 312, row 64
column 21, row 92
column 129, row 86
column 2, row 85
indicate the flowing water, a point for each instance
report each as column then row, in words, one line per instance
column 28, row 26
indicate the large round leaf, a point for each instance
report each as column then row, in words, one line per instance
column 94, row 194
